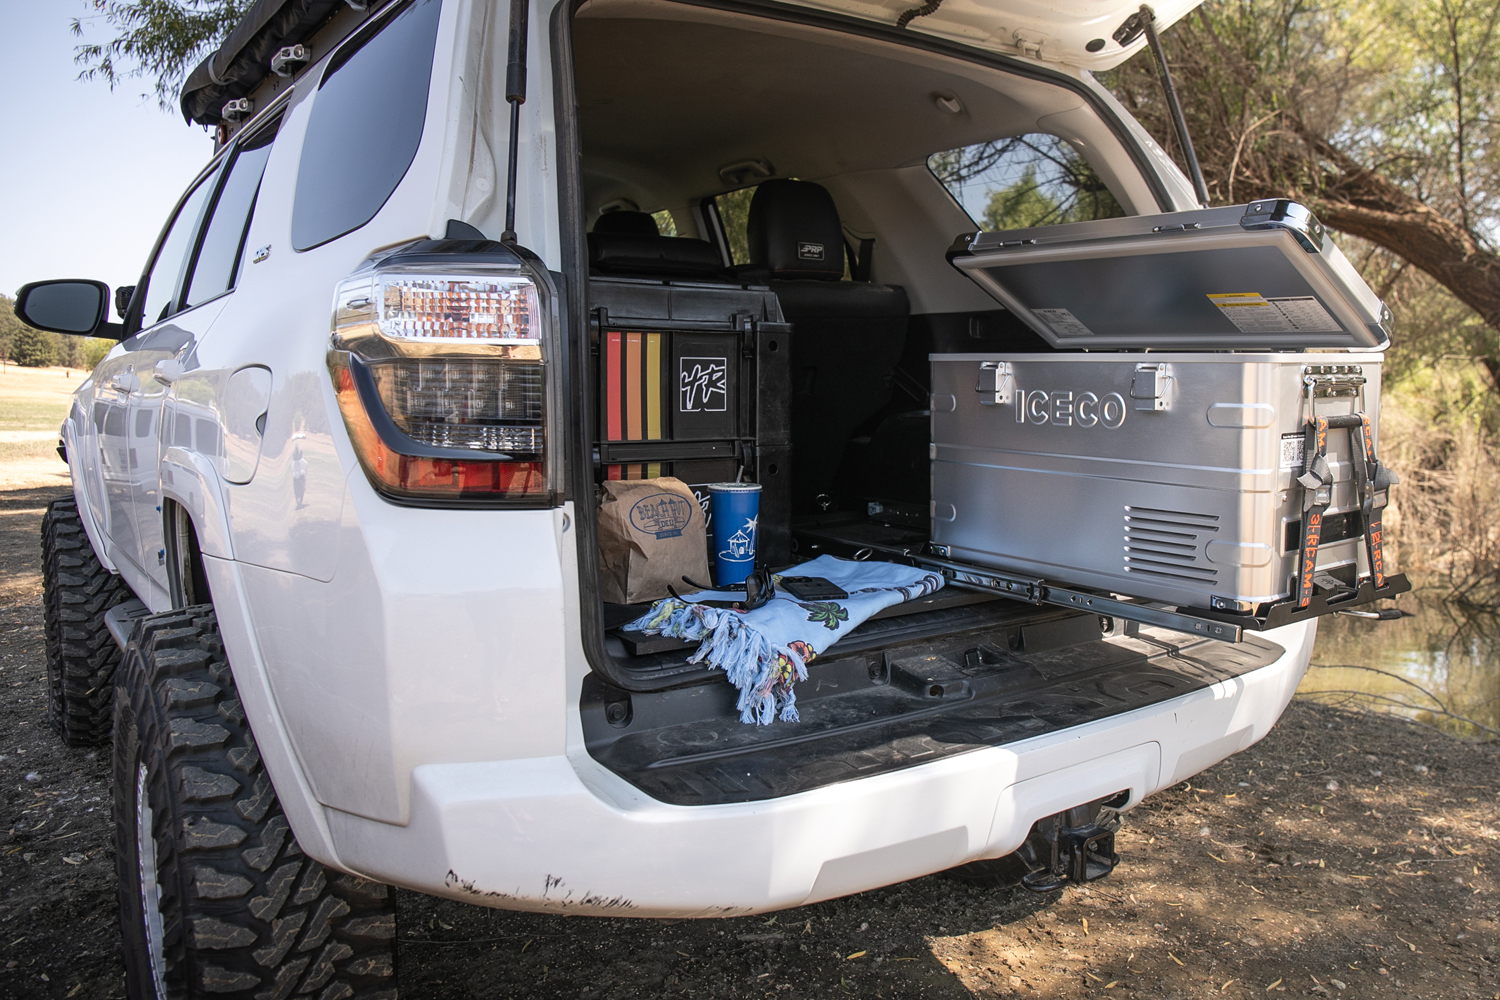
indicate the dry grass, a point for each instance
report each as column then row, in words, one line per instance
column 33, row 403
column 1437, row 432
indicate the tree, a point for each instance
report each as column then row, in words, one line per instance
column 1381, row 115
column 1034, row 180
column 10, row 323
column 1021, row 205
column 31, row 348
column 92, row 351
column 159, row 39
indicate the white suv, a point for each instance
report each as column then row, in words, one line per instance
column 335, row 486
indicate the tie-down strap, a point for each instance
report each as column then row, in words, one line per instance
column 1371, row 479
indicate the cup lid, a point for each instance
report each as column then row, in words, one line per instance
column 734, row 487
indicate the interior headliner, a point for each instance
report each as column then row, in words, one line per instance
column 669, row 94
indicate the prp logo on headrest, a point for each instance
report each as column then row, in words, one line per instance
column 810, row 251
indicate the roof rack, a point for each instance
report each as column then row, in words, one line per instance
column 244, row 60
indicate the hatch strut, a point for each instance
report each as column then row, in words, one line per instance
column 515, row 93
column 1144, row 21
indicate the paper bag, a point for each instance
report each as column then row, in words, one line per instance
column 651, row 534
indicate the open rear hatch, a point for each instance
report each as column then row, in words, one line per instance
column 1114, row 518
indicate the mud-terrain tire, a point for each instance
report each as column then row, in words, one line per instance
column 240, row 912
column 81, row 654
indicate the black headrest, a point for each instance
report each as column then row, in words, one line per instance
column 657, row 256
column 795, row 231
column 620, row 221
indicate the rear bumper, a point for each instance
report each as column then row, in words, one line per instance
column 562, row 834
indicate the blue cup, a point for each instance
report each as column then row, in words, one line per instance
column 736, row 516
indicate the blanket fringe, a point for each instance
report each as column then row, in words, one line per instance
column 762, row 671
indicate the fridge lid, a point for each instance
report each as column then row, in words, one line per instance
column 1262, row 276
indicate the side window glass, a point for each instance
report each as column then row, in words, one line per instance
column 223, row 246
column 166, row 271
column 1022, row 181
column 734, row 216
column 365, row 125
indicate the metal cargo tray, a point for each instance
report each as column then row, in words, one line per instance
column 864, row 539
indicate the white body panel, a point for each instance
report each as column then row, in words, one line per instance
column 413, row 676
column 562, row 834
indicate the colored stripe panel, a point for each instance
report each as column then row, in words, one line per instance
column 612, row 376
column 653, row 471
column 612, row 472
column 653, row 387
column 633, row 414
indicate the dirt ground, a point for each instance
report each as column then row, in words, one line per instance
column 1346, row 855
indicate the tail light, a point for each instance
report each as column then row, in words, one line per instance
column 442, row 378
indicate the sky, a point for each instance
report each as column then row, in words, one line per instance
column 87, row 176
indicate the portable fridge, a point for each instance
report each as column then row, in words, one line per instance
column 1205, row 435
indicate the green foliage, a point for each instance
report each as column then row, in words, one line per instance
column 92, row 351
column 32, row 348
column 665, row 224
column 158, row 39
column 10, row 325
column 1021, row 205
column 734, row 212
column 1409, row 89
column 22, row 344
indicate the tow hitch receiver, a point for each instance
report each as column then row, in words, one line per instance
column 1077, row 845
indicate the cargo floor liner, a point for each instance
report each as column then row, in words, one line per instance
column 900, row 692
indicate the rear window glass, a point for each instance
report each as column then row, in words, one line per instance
column 365, row 125
column 734, row 213
column 1023, row 181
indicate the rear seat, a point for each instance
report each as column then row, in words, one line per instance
column 847, row 335
column 627, row 244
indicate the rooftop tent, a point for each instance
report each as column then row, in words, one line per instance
column 244, row 59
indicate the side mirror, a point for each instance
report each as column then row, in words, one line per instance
column 73, row 306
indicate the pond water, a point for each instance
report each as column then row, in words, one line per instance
column 1440, row 664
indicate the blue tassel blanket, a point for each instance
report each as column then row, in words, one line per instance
column 766, row 651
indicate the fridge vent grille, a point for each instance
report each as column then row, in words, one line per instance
column 1169, row 544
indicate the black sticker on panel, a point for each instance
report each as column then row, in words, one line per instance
column 706, row 397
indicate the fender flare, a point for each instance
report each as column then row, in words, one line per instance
column 191, row 480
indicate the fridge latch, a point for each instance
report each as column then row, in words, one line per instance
column 1149, row 389
column 997, row 383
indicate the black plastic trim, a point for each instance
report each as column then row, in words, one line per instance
column 884, row 710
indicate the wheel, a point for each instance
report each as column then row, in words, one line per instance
column 81, row 654
column 216, row 898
